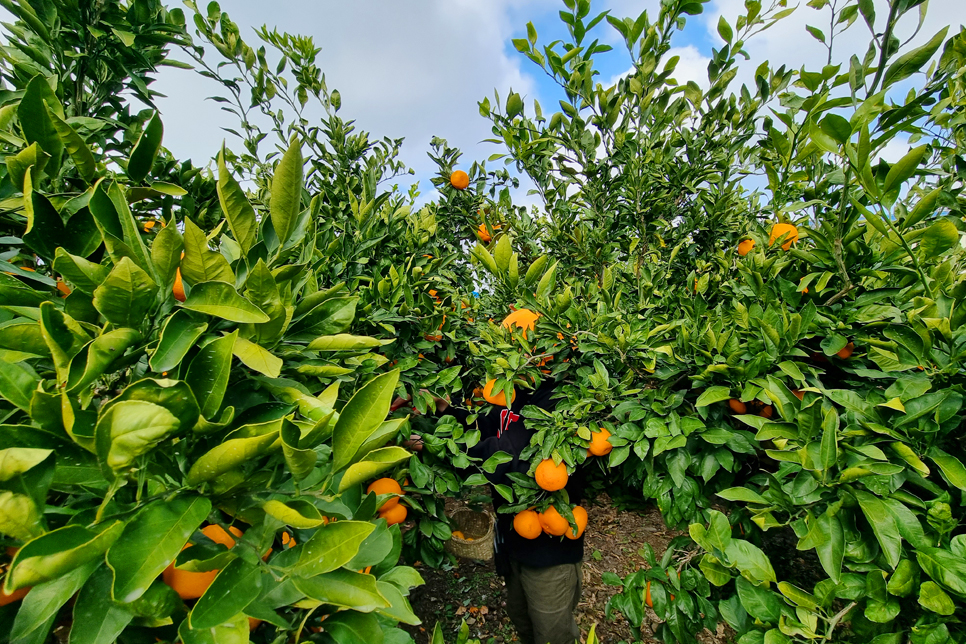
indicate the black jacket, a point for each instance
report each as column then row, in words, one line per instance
column 503, row 430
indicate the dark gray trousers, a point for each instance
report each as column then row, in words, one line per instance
column 541, row 602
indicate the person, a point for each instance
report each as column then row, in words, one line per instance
column 543, row 576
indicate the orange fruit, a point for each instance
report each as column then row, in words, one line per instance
column 63, row 288
column 522, row 319
column 766, row 411
column 782, row 229
column 527, row 524
column 599, row 445
column 500, row 397
column 846, row 352
column 148, row 225
column 253, row 623
column 459, row 535
column 395, row 514
column 580, row 516
column 192, row 585
column 459, row 180
column 551, row 477
column 647, row 596
column 27, row 268
column 799, row 394
column 737, row 406
column 745, row 246
column 288, row 541
column 553, row 522
column 386, row 486
column 484, row 234
column 178, row 288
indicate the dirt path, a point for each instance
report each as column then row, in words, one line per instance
column 474, row 592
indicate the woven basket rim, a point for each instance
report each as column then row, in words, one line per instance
column 480, row 548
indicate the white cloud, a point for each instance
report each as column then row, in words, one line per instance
column 410, row 70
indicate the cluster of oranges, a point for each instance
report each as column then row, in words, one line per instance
column 530, row 524
column 392, row 510
column 787, row 231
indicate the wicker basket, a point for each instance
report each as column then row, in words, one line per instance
column 479, row 527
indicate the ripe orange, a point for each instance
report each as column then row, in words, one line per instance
column 500, row 397
column 551, row 477
column 63, row 288
column 253, row 623
column 599, row 445
column 459, row 535
column 523, row 319
column 781, row 229
column 178, row 288
column 527, row 524
column 459, row 180
column 799, row 394
column 647, row 596
column 846, row 352
column 288, row 541
column 766, row 411
column 192, row 585
column 386, row 486
column 148, row 225
column 484, row 234
column 737, row 406
column 580, row 516
column 553, row 522
column 395, row 514
column 745, row 247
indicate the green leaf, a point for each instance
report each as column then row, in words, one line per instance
column 514, row 105
column 46, row 230
column 904, row 580
column 146, row 150
column 286, row 199
column 344, row 588
column 399, row 608
column 221, row 300
column 546, row 283
column 44, row 601
column 131, row 428
column 208, row 373
column 178, row 335
column 151, row 541
column 952, row 468
column 237, row 585
column 331, row 547
column 830, row 427
column 712, row 395
column 837, row 127
column 760, row 603
column 483, row 256
column 751, row 561
column 166, row 255
column 58, row 552
column 373, row 463
column 257, row 358
column 35, row 119
column 939, row 238
column 904, row 168
column 913, row 61
column 536, row 270
column 79, row 153
column 334, row 315
column 344, row 342
column 944, row 567
column 725, row 30
column 502, row 253
column 84, row 275
column 102, row 620
column 360, row 417
column 242, row 445
column 31, row 159
column 232, row 631
column 297, row 513
column 798, row 596
column 883, row 525
column 934, row 598
column 201, row 264
column 120, row 231
column 17, row 384
column 743, row 495
column 93, row 360
column 237, row 209
column 126, row 295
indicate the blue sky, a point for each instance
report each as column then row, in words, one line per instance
column 418, row 69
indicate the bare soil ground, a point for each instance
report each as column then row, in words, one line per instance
column 473, row 591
